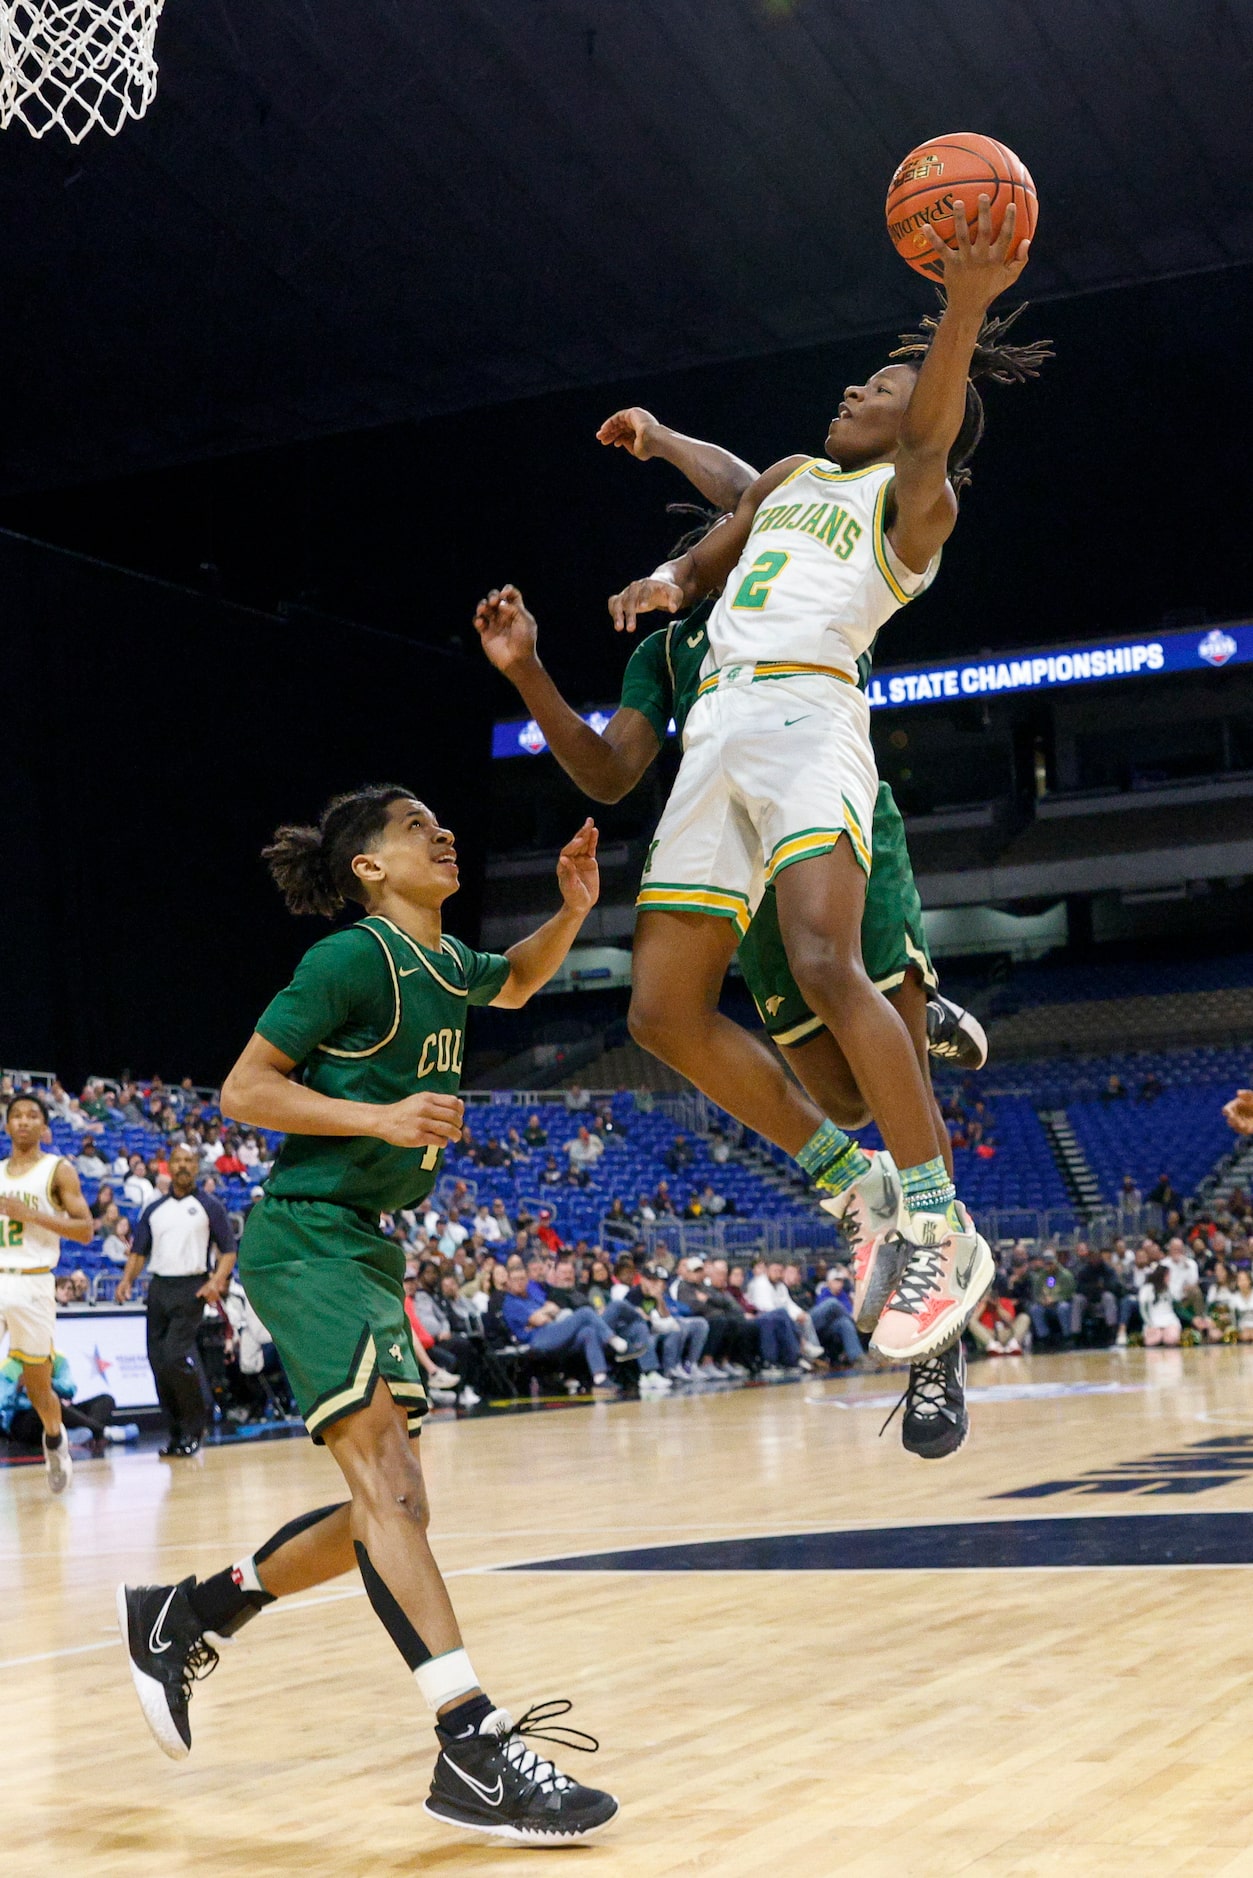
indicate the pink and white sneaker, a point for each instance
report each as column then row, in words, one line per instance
column 946, row 1276
column 872, row 1213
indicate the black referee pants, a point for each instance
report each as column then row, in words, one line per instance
column 174, row 1314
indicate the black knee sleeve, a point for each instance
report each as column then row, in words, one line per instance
column 292, row 1528
column 389, row 1613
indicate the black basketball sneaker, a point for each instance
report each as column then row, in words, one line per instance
column 168, row 1652
column 936, row 1423
column 955, row 1036
column 493, row 1782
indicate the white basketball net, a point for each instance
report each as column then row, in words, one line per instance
column 77, row 63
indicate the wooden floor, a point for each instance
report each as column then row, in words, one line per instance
column 909, row 1723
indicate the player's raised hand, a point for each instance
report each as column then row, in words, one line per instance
column 643, row 596
column 632, row 429
column 578, row 875
column 1239, row 1112
column 980, row 268
column 420, row 1121
column 506, row 629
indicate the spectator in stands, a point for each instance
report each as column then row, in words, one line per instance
column 137, row 1189
column 535, row 1134
column 116, row 1242
column 19, row 1422
column 1157, row 1312
column 486, row 1225
column 1163, row 1194
column 619, row 1316
column 778, row 1344
column 454, row 1346
column 105, row 1198
column 516, row 1148
column 663, row 1205
column 1242, row 1305
column 88, row 1162
column 719, row 1146
column 1098, row 1290
column 832, row 1319
column 1053, row 1291
column 1184, row 1279
column 643, row 1214
column 767, row 1292
column 575, row 1099
column 1129, row 1197
column 681, row 1335
column 546, row 1231
column 552, row 1175
column 725, row 1354
column 583, row 1152
column 1114, row 1090
column 1152, row 1087
column 714, row 1203
column 679, row 1155
column 1217, row 1320
column 548, row 1331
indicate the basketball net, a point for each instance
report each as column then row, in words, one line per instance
column 77, row 63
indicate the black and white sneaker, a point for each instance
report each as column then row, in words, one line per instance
column 936, row 1423
column 493, row 1782
column 168, row 1652
column 954, row 1035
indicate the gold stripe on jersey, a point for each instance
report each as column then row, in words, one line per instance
column 836, row 475
column 456, row 991
column 808, row 464
column 878, row 535
column 326, row 1049
column 808, row 1027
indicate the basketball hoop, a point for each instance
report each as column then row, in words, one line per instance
column 77, row 63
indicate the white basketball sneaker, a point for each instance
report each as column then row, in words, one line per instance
column 58, row 1462
column 872, row 1213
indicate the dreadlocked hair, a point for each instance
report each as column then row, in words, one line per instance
column 312, row 867
column 709, row 518
column 1004, row 365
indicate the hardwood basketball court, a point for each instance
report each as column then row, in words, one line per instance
column 1042, row 1685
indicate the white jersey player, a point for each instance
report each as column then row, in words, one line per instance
column 777, row 787
column 41, row 1203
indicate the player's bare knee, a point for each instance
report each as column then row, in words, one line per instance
column 652, row 1025
column 824, row 972
column 393, row 1488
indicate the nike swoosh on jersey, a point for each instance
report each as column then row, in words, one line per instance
column 490, row 1796
column 796, row 720
column 407, row 972
column 154, row 1634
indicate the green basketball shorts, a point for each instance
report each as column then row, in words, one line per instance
column 329, row 1288
column 893, row 937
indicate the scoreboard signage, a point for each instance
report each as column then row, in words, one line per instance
column 1048, row 669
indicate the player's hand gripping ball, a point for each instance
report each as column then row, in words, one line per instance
column 945, row 178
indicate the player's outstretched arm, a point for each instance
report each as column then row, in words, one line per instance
column 924, row 508
column 715, row 473
column 261, row 1093
column 534, row 959
column 605, row 766
column 705, row 567
column 1239, row 1112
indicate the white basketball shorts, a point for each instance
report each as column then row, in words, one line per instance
column 28, row 1311
column 775, row 770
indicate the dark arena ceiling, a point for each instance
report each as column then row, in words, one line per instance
column 345, row 213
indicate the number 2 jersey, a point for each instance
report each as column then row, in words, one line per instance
column 818, row 576
column 372, row 1016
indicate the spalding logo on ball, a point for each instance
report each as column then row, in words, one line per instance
column 945, row 177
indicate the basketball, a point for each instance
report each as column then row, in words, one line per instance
column 939, row 176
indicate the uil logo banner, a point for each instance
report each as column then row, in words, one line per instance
column 1217, row 647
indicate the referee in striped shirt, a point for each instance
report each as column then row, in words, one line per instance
column 175, row 1233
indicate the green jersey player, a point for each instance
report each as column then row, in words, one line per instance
column 358, row 1063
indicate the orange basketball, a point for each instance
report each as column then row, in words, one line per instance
column 951, row 173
